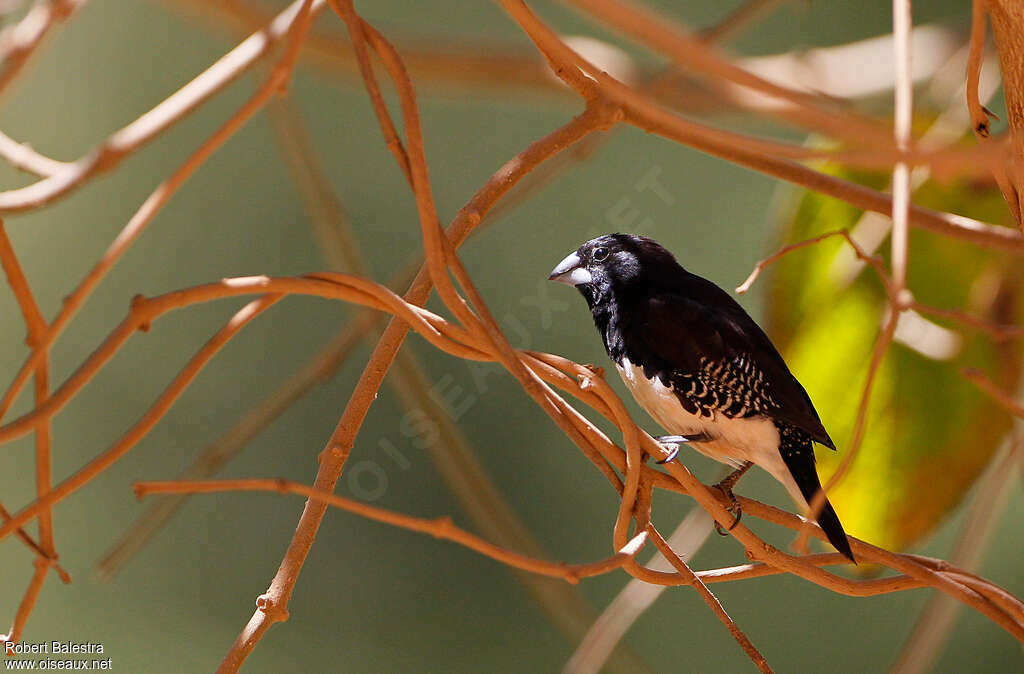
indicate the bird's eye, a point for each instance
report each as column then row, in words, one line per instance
column 600, row 254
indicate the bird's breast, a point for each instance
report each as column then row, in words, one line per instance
column 734, row 440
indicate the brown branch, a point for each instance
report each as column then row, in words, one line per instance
column 21, row 156
column 442, row 527
column 1007, row 17
column 387, row 125
column 682, row 480
column 340, row 443
column 882, row 343
column 271, row 606
column 33, row 545
column 28, row 602
column 661, row 33
column 739, row 18
column 682, row 477
column 568, row 64
column 710, row 599
column 157, row 120
column 978, row 112
column 903, row 94
column 19, row 41
column 899, row 296
column 275, row 83
column 641, row 112
column 142, row 427
column 454, row 340
column 668, row 36
column 452, row 453
column 998, row 331
column 472, row 67
column 465, row 65
column 978, row 378
column 634, row 598
column 18, row 283
column 861, row 254
column 319, row 368
column 430, row 224
column 36, row 325
column 476, row 335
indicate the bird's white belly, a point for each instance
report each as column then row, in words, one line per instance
column 733, row 441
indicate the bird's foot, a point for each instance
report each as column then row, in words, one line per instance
column 734, row 508
column 673, row 442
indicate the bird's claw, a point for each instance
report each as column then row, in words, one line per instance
column 734, row 508
column 673, row 452
column 725, row 486
column 674, row 441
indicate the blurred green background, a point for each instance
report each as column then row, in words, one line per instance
column 374, row 598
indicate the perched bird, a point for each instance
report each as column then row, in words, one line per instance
column 700, row 365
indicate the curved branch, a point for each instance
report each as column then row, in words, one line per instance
column 150, row 125
column 441, row 527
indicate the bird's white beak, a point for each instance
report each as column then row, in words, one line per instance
column 570, row 272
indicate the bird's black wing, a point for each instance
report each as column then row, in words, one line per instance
column 702, row 342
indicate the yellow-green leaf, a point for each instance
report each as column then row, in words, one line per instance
column 930, row 433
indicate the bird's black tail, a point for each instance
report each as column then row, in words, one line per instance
column 797, row 451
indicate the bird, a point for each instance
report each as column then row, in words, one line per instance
column 697, row 363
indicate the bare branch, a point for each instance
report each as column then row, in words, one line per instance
column 978, row 378
column 442, row 527
column 18, row 42
column 150, row 125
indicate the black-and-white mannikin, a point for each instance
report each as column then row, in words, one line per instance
column 700, row 365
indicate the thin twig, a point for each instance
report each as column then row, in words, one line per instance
column 978, row 112
column 681, row 478
column 904, row 100
column 275, row 84
column 739, row 18
column 340, row 443
column 19, row 41
column 882, row 343
column 454, row 456
column 441, row 527
column 896, row 288
column 978, row 378
column 319, row 368
column 659, row 32
column 472, row 67
column 157, row 120
column 710, row 599
column 683, row 481
column 476, row 335
column 141, row 428
column 36, row 326
column 21, row 156
column 998, row 331
column 635, row 597
column 643, row 113
column 861, row 254
column 1007, row 19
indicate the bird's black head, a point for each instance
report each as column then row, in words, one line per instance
column 615, row 265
